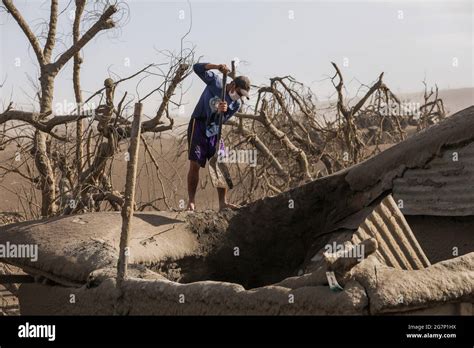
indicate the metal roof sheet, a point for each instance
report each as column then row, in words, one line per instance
column 397, row 245
column 444, row 187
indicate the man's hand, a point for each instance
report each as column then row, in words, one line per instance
column 221, row 67
column 222, row 107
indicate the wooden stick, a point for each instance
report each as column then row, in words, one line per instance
column 233, row 70
column 128, row 207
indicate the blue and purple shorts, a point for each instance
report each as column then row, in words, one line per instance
column 200, row 147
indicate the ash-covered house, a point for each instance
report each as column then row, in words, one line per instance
column 417, row 252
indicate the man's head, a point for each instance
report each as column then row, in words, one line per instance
column 239, row 88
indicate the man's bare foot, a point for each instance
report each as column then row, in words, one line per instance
column 191, row 207
column 228, row 206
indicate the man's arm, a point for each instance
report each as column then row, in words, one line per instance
column 202, row 70
column 221, row 67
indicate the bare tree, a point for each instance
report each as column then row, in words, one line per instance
column 84, row 183
column 298, row 141
column 432, row 110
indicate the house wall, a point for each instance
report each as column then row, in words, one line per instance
column 439, row 235
column 159, row 297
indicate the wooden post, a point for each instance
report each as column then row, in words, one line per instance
column 232, row 70
column 128, row 206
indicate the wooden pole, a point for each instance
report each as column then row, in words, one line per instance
column 233, row 70
column 128, row 206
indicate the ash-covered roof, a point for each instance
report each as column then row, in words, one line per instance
column 443, row 187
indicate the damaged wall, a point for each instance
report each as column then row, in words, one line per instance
column 443, row 237
column 376, row 289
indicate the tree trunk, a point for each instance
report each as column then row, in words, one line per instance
column 128, row 207
column 43, row 163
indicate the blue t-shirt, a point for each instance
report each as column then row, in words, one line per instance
column 206, row 108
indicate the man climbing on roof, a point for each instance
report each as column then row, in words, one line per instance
column 203, row 126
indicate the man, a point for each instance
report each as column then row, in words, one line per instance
column 204, row 124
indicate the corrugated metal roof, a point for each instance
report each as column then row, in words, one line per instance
column 444, row 187
column 397, row 245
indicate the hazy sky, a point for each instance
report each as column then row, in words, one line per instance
column 407, row 40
